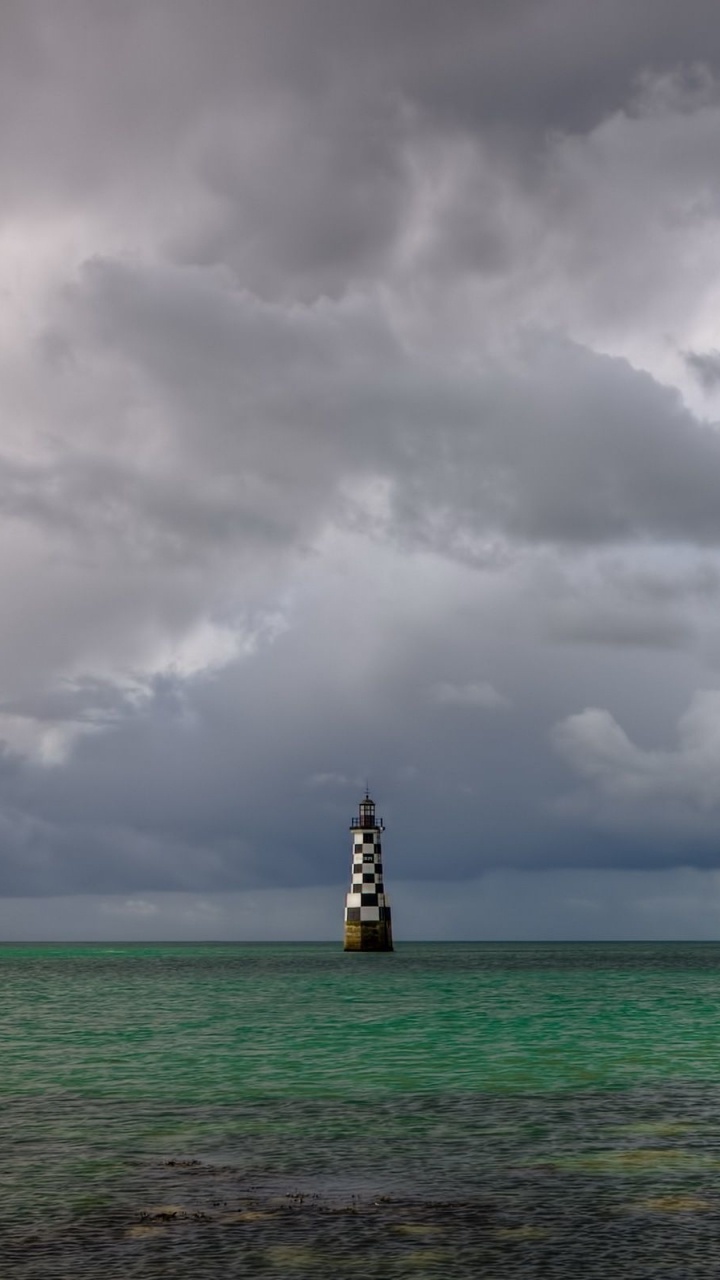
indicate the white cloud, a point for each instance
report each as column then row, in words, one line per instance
column 476, row 695
column 130, row 908
column 599, row 751
column 333, row 780
column 48, row 744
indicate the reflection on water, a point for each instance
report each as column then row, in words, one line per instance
column 470, row 1111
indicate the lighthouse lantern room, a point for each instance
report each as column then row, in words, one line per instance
column 368, row 924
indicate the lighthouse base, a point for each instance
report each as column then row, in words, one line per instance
column 368, row 935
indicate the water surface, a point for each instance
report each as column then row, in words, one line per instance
column 465, row 1110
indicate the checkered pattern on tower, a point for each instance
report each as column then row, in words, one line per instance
column 368, row 925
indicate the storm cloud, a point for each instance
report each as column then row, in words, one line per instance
column 359, row 408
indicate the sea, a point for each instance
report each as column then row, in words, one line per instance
column 466, row 1110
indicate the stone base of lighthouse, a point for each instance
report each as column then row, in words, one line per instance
column 368, row 935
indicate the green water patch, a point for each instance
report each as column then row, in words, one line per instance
column 218, row 1024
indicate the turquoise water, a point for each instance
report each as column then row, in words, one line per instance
column 465, row 1110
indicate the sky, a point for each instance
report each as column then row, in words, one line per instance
column 359, row 401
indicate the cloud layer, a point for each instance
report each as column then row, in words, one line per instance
column 358, row 418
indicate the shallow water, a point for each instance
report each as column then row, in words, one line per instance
column 465, row 1110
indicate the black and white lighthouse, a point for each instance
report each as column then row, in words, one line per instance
column 367, row 909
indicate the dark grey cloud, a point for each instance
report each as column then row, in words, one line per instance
column 705, row 365
column 350, row 369
column 285, row 139
column 612, row 905
column 267, row 415
column 621, row 626
column 215, row 782
column 85, row 701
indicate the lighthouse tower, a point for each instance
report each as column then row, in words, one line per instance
column 367, row 909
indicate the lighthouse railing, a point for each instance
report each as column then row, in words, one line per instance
column 367, row 822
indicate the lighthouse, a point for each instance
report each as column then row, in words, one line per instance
column 367, row 910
